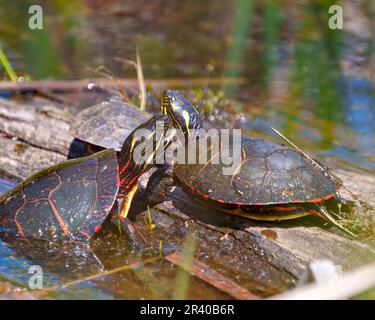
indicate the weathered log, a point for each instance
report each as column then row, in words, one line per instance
column 264, row 258
column 22, row 159
column 37, row 126
column 33, row 137
column 76, row 85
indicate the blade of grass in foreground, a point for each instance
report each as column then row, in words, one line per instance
column 183, row 276
column 7, row 66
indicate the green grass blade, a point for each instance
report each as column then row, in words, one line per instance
column 183, row 276
column 7, row 66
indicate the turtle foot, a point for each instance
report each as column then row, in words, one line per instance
column 130, row 232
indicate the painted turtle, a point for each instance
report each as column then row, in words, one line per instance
column 272, row 181
column 71, row 200
column 108, row 124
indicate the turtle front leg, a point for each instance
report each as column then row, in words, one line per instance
column 124, row 225
column 158, row 183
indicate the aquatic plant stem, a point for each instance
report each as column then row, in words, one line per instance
column 7, row 66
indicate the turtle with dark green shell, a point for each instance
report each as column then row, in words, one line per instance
column 272, row 182
column 109, row 123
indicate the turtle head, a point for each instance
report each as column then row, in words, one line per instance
column 184, row 115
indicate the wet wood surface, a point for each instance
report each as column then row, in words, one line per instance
column 262, row 258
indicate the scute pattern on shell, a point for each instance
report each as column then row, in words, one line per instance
column 108, row 123
column 68, row 201
column 269, row 173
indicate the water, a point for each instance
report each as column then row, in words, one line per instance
column 313, row 84
column 105, row 268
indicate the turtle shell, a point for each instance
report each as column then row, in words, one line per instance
column 108, row 123
column 68, row 201
column 268, row 173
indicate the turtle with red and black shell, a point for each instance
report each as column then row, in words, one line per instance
column 71, row 200
column 270, row 182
